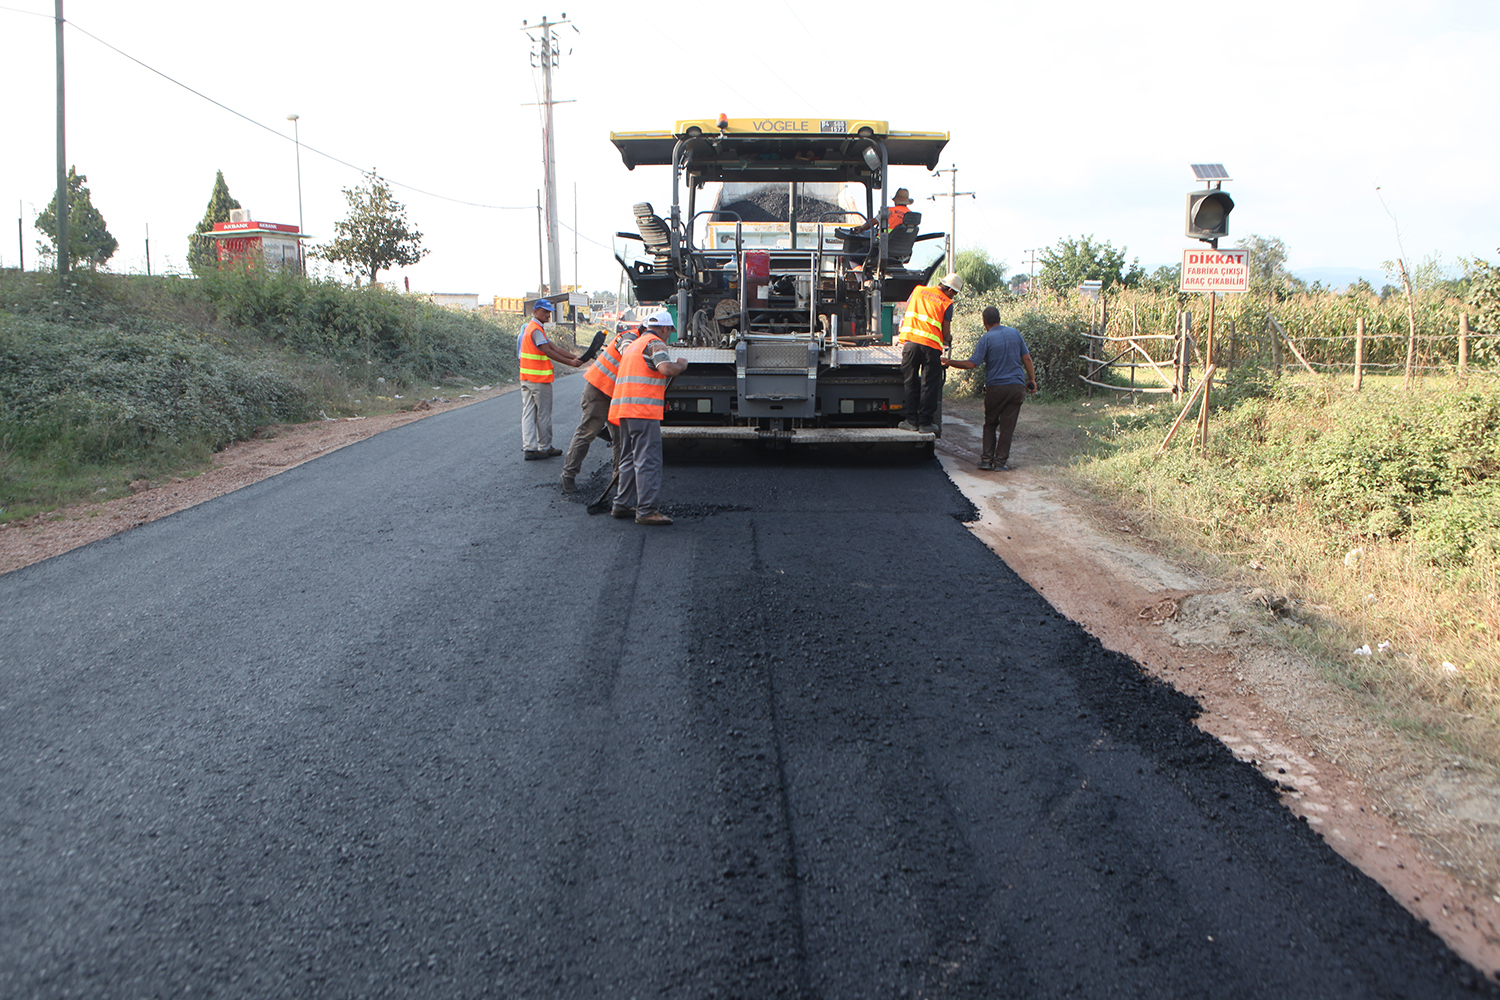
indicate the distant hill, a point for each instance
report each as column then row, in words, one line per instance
column 1340, row 278
column 1335, row 278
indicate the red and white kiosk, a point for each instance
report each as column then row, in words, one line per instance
column 273, row 245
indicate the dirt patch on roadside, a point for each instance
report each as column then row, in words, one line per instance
column 1426, row 826
column 273, row 449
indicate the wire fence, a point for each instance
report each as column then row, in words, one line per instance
column 1144, row 344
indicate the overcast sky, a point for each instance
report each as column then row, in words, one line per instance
column 1069, row 118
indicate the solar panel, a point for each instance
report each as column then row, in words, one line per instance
column 1210, row 172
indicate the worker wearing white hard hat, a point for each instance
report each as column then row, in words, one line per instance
column 925, row 334
column 636, row 411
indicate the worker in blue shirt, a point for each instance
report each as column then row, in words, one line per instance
column 1008, row 377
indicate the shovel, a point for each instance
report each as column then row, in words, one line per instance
column 602, row 504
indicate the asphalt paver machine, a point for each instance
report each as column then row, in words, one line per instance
column 783, row 290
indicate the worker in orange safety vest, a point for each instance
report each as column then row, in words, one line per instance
column 536, row 354
column 601, row 377
column 893, row 217
column 635, row 412
column 924, row 336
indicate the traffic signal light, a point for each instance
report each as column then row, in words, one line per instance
column 1208, row 214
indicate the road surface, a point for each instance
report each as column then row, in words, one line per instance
column 406, row 722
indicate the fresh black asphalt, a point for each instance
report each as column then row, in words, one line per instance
column 407, row 722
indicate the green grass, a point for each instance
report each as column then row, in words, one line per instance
column 1379, row 509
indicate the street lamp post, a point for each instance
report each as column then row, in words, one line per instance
column 297, row 141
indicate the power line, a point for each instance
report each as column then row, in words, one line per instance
column 311, row 149
column 278, row 133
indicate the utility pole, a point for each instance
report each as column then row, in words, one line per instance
column 1031, row 273
column 541, row 247
column 62, row 163
column 953, row 194
column 545, row 55
column 294, row 118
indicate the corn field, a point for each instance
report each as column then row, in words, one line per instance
column 1321, row 331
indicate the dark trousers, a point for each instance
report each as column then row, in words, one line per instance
column 1002, row 405
column 595, row 419
column 922, row 371
column 638, row 449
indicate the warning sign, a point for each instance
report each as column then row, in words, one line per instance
column 1215, row 270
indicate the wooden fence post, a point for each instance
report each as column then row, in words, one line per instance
column 1463, row 345
column 1293, row 345
column 1184, row 359
column 1275, row 348
column 1359, row 353
column 1411, row 322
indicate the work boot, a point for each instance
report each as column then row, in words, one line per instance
column 532, row 456
column 985, row 465
column 656, row 519
column 551, row 452
column 622, row 512
column 906, row 425
column 569, row 485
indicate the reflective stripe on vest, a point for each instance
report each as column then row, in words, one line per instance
column 606, row 367
column 535, row 366
column 640, row 392
column 923, row 323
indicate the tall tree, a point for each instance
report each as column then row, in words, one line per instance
column 1484, row 293
column 1268, row 273
column 375, row 236
column 980, row 274
column 89, row 240
column 1074, row 261
column 203, row 254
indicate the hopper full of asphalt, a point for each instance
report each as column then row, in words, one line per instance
column 406, row 722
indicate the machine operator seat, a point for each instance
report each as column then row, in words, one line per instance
column 860, row 247
column 898, row 244
column 654, row 233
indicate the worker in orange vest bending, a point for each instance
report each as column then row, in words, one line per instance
column 924, row 335
column 636, row 411
column 601, row 377
column 536, row 354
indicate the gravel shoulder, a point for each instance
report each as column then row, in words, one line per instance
column 1425, row 826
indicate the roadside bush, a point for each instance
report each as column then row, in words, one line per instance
column 112, row 393
column 1053, row 335
column 401, row 332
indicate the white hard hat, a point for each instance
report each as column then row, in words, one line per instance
column 954, row 280
column 661, row 318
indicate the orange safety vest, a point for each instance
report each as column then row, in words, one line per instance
column 535, row 366
column 923, row 323
column 606, row 367
column 640, row 392
column 894, row 216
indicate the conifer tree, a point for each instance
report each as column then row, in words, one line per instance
column 203, row 254
column 89, row 241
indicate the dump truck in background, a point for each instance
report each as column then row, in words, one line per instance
column 784, row 299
